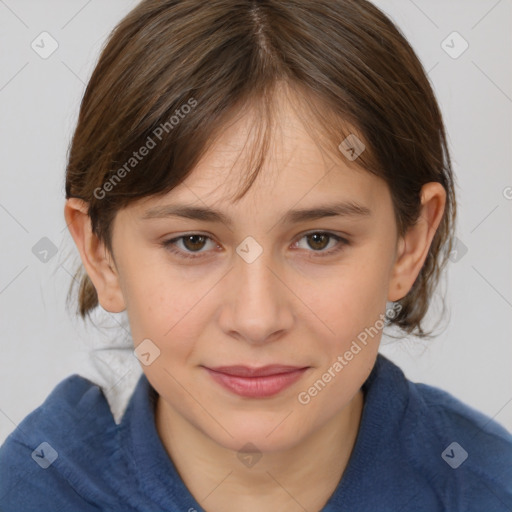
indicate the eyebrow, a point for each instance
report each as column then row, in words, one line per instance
column 343, row 209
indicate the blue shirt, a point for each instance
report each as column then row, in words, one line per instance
column 418, row 448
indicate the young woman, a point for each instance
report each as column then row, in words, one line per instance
column 262, row 186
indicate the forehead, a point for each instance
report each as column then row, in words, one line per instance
column 298, row 171
column 296, row 165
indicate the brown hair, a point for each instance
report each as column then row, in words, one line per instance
column 172, row 73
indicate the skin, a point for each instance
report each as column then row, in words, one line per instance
column 289, row 306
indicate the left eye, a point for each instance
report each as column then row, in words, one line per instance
column 194, row 242
column 319, row 240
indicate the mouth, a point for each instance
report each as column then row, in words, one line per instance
column 253, row 382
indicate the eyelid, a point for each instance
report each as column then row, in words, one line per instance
column 333, row 233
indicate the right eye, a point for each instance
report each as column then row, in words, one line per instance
column 190, row 242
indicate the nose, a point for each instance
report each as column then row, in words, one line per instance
column 256, row 304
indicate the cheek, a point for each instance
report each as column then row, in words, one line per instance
column 348, row 299
column 350, row 305
column 161, row 304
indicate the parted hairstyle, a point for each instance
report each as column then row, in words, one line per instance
column 173, row 72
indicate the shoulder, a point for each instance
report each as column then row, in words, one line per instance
column 466, row 455
column 446, row 415
column 41, row 461
column 75, row 403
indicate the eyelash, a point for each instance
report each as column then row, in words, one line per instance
column 170, row 245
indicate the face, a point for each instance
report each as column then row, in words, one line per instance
column 259, row 287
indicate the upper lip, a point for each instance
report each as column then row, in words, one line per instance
column 262, row 371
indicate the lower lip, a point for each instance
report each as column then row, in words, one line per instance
column 257, row 387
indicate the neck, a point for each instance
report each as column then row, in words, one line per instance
column 306, row 474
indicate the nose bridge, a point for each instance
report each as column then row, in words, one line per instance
column 256, row 279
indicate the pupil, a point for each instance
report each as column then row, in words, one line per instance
column 316, row 236
column 193, row 239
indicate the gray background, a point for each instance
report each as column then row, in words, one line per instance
column 41, row 343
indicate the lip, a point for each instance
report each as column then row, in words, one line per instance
column 259, row 382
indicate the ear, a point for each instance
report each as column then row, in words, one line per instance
column 98, row 262
column 413, row 247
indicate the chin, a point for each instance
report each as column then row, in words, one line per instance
column 267, row 436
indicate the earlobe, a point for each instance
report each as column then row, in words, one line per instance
column 414, row 246
column 97, row 261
